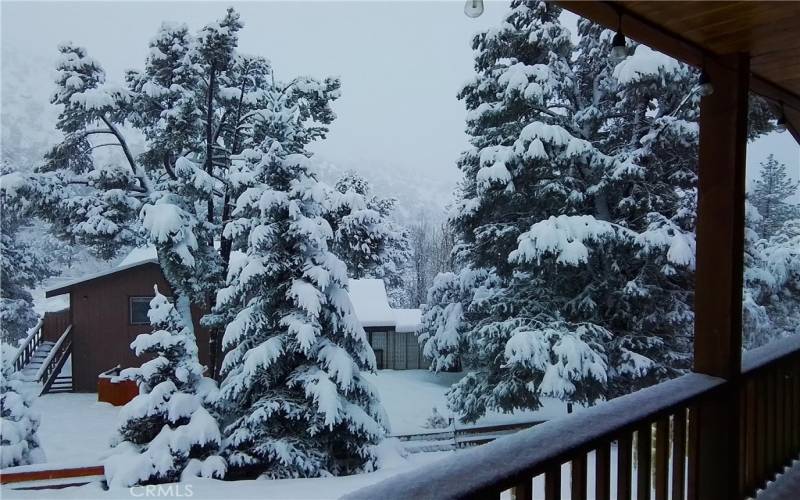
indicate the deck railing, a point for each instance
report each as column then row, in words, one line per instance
column 28, row 347
column 643, row 445
column 55, row 360
column 769, row 402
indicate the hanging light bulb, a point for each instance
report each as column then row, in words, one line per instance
column 473, row 8
column 780, row 125
column 704, row 84
column 618, row 51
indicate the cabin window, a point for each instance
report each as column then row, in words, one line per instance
column 379, row 358
column 138, row 310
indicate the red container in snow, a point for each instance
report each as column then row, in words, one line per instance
column 116, row 392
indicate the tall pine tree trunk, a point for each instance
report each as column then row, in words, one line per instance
column 213, row 335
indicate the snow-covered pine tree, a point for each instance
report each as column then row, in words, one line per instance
column 519, row 344
column 757, row 328
column 177, row 193
column 165, row 434
column 782, row 257
column 770, row 196
column 369, row 242
column 295, row 400
column 578, row 201
column 771, row 294
column 453, row 307
column 647, row 123
column 22, row 267
column 173, row 194
column 19, row 442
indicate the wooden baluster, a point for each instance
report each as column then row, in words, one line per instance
column 624, row 467
column 678, row 454
column 523, row 490
column 552, row 483
column 780, row 408
column 578, row 478
column 691, row 455
column 750, row 440
column 796, row 405
column 786, row 439
column 662, row 458
column 643, row 450
column 742, row 437
column 772, row 421
column 761, row 431
column 602, row 472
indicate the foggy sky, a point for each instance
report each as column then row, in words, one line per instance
column 401, row 65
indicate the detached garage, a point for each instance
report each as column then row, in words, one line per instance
column 392, row 332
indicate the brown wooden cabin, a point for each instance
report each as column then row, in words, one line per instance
column 107, row 311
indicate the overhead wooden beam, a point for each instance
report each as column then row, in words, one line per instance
column 674, row 45
column 611, row 15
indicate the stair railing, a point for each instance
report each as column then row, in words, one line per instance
column 55, row 360
column 28, row 347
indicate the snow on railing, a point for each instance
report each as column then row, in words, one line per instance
column 502, row 463
column 761, row 356
column 55, row 350
column 26, row 348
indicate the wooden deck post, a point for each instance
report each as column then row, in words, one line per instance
column 718, row 292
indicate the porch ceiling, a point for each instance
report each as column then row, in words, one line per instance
column 694, row 31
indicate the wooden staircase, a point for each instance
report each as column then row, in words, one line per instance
column 34, row 363
column 46, row 361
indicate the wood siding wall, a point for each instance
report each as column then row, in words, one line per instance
column 101, row 328
column 398, row 350
column 54, row 324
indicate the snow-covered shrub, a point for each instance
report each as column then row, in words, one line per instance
column 19, row 444
column 165, row 434
column 436, row 420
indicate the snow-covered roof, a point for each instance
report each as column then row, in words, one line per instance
column 372, row 307
column 407, row 320
column 139, row 256
column 65, row 287
column 370, row 302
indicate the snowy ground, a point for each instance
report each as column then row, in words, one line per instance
column 75, row 428
column 207, row 489
column 409, row 397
